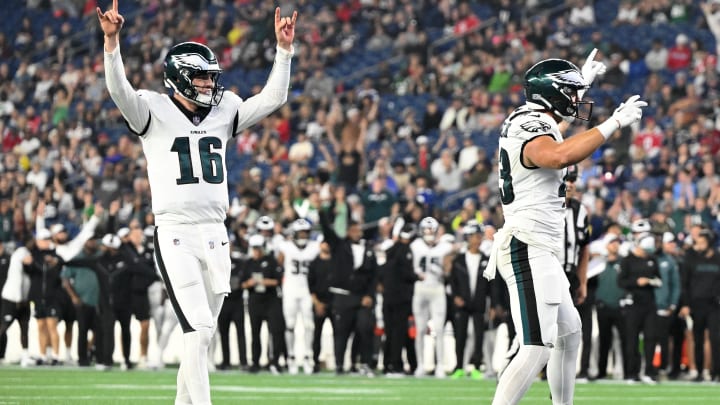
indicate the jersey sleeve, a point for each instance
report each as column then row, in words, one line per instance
column 271, row 97
column 529, row 125
column 132, row 105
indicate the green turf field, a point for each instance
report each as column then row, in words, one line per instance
column 73, row 386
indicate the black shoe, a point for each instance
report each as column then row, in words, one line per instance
column 254, row 369
column 223, row 366
column 56, row 362
column 316, row 368
column 673, row 375
column 339, row 371
column 699, row 378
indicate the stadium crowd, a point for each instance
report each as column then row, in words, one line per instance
column 75, row 213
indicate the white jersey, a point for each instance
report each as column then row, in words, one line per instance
column 186, row 156
column 429, row 260
column 296, row 263
column 17, row 284
column 533, row 198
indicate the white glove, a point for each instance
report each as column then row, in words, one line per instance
column 591, row 69
column 655, row 282
column 627, row 113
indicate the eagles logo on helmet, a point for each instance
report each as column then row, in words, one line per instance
column 553, row 85
column 183, row 63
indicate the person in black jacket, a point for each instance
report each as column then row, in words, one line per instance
column 45, row 290
column 114, row 274
column 233, row 311
column 143, row 275
column 4, row 266
column 319, row 284
column 701, row 299
column 352, row 284
column 398, row 279
column 261, row 275
column 470, row 291
column 639, row 275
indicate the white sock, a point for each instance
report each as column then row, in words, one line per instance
column 309, row 334
column 183, row 396
column 520, row 373
column 561, row 368
column 194, row 365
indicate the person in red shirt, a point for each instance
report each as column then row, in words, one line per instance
column 680, row 55
column 650, row 138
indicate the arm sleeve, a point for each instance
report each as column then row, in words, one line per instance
column 685, row 277
column 674, row 285
column 72, row 248
column 329, row 234
column 312, row 279
column 271, row 97
column 39, row 223
column 133, row 107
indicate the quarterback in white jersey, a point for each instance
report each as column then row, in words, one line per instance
column 532, row 156
column 184, row 137
column 431, row 258
column 295, row 256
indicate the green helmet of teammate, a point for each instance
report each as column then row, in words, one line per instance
column 183, row 63
column 552, row 85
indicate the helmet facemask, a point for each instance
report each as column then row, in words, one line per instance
column 188, row 61
column 199, row 96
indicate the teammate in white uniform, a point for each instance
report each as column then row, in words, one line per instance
column 295, row 257
column 431, row 259
column 532, row 158
column 184, row 137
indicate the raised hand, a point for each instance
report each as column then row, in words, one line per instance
column 629, row 112
column 285, row 29
column 591, row 69
column 110, row 21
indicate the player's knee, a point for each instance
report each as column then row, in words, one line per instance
column 201, row 337
column 570, row 341
column 534, row 353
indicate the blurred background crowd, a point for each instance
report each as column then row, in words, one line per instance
column 395, row 110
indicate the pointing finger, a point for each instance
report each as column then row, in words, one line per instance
column 99, row 13
column 591, row 57
column 115, row 5
column 294, row 17
column 277, row 15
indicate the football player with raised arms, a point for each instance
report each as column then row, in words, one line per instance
column 295, row 256
column 184, row 136
column 431, row 259
column 532, row 158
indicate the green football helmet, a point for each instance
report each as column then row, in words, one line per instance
column 183, row 63
column 553, row 85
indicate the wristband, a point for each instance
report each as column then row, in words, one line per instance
column 608, row 127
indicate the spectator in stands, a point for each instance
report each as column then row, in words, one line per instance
column 582, row 14
column 680, row 55
column 446, row 173
column 656, row 58
column 627, row 13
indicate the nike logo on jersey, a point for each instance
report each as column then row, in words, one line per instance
column 224, row 243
